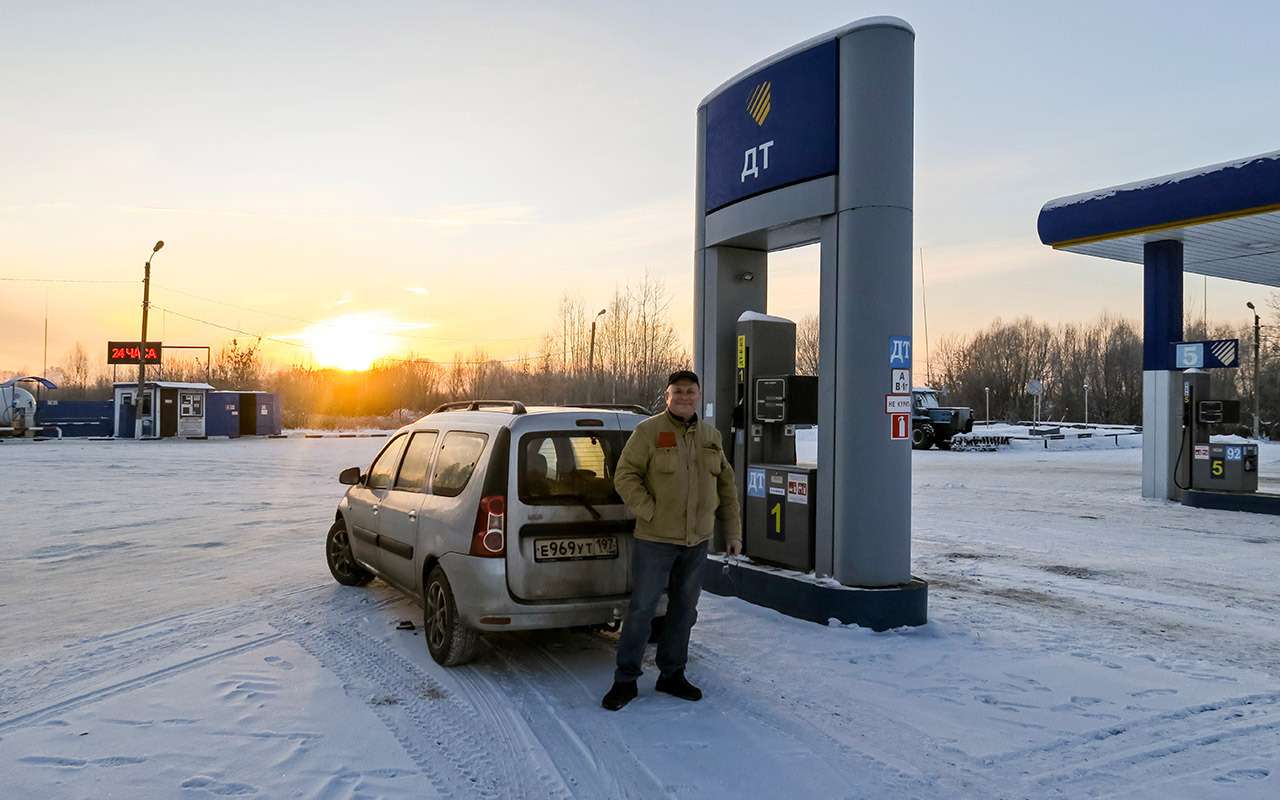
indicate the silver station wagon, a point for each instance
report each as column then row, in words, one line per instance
column 496, row 517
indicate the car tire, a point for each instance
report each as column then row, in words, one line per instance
column 921, row 437
column 449, row 640
column 342, row 564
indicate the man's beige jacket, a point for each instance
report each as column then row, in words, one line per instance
column 675, row 478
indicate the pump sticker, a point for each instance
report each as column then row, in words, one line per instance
column 897, row 404
column 755, row 482
column 742, row 352
column 1235, row 452
column 900, row 352
column 1202, row 452
column 900, row 381
column 899, row 426
column 798, row 488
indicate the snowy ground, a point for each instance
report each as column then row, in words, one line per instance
column 170, row 630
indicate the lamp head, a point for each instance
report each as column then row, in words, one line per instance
column 159, row 245
column 1250, row 305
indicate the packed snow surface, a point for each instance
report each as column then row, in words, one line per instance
column 170, row 630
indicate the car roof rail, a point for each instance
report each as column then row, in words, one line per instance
column 635, row 407
column 477, row 405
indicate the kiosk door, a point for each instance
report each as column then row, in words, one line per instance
column 248, row 415
column 168, row 412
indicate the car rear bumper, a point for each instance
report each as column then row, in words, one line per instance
column 480, row 592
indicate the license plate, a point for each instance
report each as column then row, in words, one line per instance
column 578, row 549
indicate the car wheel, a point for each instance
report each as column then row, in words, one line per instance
column 337, row 551
column 922, row 437
column 449, row 640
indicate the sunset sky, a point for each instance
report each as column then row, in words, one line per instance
column 435, row 176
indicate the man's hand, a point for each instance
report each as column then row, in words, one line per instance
column 734, row 548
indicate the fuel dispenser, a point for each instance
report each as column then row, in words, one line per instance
column 779, row 507
column 1204, row 465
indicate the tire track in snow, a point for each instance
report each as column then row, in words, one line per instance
column 142, row 644
column 596, row 748
column 1157, row 741
column 41, row 714
column 434, row 727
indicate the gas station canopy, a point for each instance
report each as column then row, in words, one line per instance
column 1227, row 216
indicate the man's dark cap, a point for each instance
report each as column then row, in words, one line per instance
column 683, row 375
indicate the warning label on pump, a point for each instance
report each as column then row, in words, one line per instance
column 899, row 426
column 797, row 488
column 1202, row 452
column 900, row 381
column 897, row 404
column 742, row 352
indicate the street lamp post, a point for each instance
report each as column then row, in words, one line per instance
column 986, row 390
column 1257, row 364
column 591, row 356
column 142, row 345
column 1086, row 402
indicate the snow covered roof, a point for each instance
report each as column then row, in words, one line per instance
column 168, row 384
column 1226, row 215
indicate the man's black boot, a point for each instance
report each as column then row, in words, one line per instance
column 623, row 692
column 679, row 686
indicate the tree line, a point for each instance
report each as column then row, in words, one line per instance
column 636, row 347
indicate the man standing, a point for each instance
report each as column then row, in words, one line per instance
column 674, row 477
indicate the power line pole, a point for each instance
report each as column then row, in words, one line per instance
column 1257, row 364
column 142, row 345
column 44, row 367
column 924, row 303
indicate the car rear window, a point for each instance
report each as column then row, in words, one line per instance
column 567, row 467
column 456, row 461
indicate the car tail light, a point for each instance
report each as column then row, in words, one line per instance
column 490, row 537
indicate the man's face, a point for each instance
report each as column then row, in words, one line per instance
column 682, row 398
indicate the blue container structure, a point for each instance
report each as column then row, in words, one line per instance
column 253, row 413
column 76, row 417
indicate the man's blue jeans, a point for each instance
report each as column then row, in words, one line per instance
column 656, row 567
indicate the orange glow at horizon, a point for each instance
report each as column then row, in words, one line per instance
column 354, row 341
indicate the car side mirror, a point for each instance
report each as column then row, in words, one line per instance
column 349, row 476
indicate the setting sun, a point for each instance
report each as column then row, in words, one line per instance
column 355, row 341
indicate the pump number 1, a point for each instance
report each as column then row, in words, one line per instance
column 776, row 523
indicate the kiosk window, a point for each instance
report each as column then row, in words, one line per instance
column 383, row 471
column 191, row 404
column 417, row 459
column 456, row 461
column 565, row 468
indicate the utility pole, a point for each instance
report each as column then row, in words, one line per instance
column 986, row 390
column 44, row 368
column 591, row 356
column 1257, row 366
column 142, row 345
column 1086, row 402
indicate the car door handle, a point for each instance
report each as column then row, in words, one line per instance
column 413, row 515
column 375, row 511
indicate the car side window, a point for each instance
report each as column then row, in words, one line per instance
column 456, row 462
column 417, row 459
column 383, row 471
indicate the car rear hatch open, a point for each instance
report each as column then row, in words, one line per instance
column 569, row 534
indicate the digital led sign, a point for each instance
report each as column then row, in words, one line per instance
column 128, row 352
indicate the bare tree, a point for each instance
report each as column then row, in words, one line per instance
column 807, row 345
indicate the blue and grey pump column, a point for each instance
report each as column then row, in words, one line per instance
column 814, row 144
